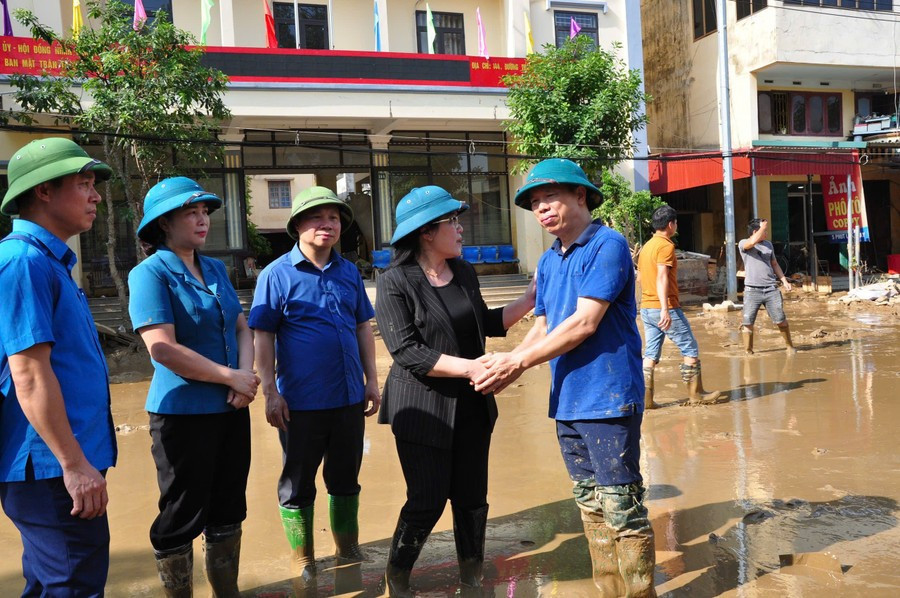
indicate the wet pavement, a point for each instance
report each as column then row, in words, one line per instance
column 802, row 458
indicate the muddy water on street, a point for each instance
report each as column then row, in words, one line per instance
column 801, row 459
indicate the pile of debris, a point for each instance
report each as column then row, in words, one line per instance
column 881, row 293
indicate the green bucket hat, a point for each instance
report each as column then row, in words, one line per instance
column 557, row 171
column 313, row 198
column 43, row 160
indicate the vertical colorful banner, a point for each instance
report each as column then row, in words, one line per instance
column 377, row 29
column 205, row 18
column 834, row 194
column 482, row 41
column 573, row 28
column 529, row 39
column 271, row 38
column 77, row 20
column 140, row 15
column 7, row 22
column 429, row 28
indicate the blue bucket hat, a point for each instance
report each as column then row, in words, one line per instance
column 421, row 206
column 168, row 195
column 557, row 171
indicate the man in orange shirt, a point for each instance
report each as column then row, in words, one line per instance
column 657, row 267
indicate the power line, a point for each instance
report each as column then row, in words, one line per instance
column 760, row 154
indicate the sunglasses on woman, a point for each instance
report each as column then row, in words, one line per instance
column 454, row 220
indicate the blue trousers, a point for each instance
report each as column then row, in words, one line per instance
column 603, row 460
column 63, row 556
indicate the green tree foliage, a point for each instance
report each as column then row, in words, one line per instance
column 144, row 93
column 579, row 102
column 625, row 210
column 258, row 244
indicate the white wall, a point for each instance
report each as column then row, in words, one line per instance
column 268, row 218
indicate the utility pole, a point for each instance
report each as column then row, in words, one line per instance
column 725, row 140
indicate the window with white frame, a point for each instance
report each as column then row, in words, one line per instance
column 449, row 32
column 152, row 6
column 313, row 20
column 586, row 22
column 279, row 194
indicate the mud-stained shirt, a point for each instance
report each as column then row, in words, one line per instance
column 659, row 251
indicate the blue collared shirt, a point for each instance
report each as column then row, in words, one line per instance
column 600, row 378
column 42, row 304
column 163, row 291
column 313, row 314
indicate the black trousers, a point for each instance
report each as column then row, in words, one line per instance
column 459, row 474
column 202, row 462
column 335, row 435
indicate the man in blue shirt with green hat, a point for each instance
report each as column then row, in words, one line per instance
column 585, row 327
column 315, row 354
column 56, row 431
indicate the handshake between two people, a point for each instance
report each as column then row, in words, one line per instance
column 493, row 372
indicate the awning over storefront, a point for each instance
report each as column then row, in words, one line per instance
column 674, row 172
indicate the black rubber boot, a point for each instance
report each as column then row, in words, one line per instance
column 405, row 549
column 222, row 545
column 176, row 571
column 469, row 527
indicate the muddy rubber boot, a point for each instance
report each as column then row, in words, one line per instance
column 637, row 558
column 222, row 545
column 298, row 527
column 747, row 333
column 786, row 335
column 648, row 389
column 406, row 546
column 469, row 527
column 176, row 571
column 690, row 374
column 343, row 511
column 601, row 541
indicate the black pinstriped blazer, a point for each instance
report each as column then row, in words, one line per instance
column 417, row 329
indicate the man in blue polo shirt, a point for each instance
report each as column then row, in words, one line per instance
column 56, row 431
column 311, row 316
column 585, row 326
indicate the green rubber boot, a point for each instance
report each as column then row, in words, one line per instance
column 298, row 527
column 344, row 514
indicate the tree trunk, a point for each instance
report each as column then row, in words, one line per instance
column 111, row 235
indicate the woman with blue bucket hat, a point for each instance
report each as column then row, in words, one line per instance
column 184, row 307
column 434, row 322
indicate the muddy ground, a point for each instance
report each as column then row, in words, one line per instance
column 802, row 458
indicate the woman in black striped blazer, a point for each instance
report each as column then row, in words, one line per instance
column 434, row 322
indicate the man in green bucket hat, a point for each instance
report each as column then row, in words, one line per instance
column 311, row 317
column 56, row 431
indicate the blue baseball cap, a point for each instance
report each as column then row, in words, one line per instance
column 557, row 171
column 167, row 196
column 423, row 205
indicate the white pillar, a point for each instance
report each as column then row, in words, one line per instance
column 635, row 52
column 226, row 20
